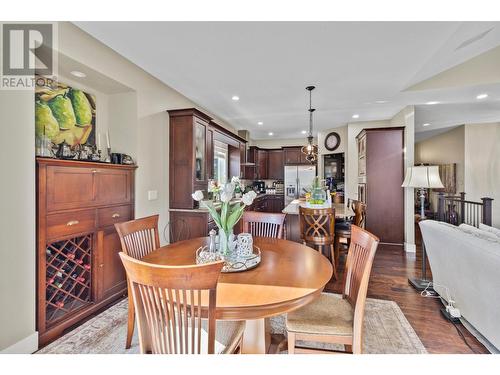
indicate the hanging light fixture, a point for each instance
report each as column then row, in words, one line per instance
column 310, row 150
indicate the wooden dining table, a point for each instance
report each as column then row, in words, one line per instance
column 289, row 276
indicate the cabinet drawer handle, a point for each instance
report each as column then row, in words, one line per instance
column 94, row 170
column 101, row 265
column 115, row 215
column 72, row 222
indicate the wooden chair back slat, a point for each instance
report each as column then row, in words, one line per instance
column 359, row 209
column 263, row 224
column 139, row 237
column 317, row 225
column 168, row 304
column 356, row 276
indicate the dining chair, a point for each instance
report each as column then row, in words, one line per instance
column 138, row 238
column 338, row 319
column 317, row 230
column 343, row 229
column 178, row 230
column 176, row 307
column 263, row 224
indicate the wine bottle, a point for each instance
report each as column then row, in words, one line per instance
column 86, row 266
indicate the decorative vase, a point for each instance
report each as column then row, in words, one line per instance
column 226, row 241
column 318, row 196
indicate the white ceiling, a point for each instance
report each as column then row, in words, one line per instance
column 269, row 64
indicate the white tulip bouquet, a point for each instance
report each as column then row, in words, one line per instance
column 229, row 214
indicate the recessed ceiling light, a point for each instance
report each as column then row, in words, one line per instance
column 260, row 123
column 270, row 133
column 432, row 103
column 78, row 74
column 381, row 101
column 482, row 96
column 235, row 98
column 426, row 124
column 355, row 116
column 304, row 131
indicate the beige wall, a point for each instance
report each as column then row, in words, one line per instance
column 444, row 148
column 482, row 164
column 17, row 222
column 406, row 118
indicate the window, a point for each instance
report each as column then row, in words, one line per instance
column 221, row 162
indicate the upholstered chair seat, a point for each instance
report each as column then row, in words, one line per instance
column 330, row 314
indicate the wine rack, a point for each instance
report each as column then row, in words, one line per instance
column 68, row 276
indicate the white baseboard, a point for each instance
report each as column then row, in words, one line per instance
column 410, row 247
column 27, row 345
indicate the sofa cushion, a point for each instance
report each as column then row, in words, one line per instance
column 478, row 232
column 489, row 229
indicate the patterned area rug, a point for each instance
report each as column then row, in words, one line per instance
column 386, row 332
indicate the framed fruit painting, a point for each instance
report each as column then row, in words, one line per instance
column 64, row 113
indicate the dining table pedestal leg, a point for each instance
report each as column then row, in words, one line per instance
column 256, row 338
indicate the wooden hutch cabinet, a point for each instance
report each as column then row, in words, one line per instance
column 190, row 155
column 78, row 267
column 380, row 175
column 191, row 162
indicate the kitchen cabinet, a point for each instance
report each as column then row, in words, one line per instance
column 294, row 156
column 192, row 136
column 262, row 165
column 275, row 169
column 189, row 146
column 291, row 155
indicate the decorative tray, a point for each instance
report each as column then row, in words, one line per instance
column 234, row 262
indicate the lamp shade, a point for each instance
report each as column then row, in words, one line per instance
column 423, row 176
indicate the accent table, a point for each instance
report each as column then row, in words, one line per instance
column 290, row 276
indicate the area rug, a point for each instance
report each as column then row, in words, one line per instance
column 386, row 331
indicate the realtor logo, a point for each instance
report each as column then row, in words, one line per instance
column 27, row 49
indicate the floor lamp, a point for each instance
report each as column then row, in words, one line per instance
column 422, row 177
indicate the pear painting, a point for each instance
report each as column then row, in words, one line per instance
column 63, row 113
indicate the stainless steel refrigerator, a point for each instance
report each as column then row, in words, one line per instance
column 298, row 181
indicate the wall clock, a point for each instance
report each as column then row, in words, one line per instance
column 332, row 141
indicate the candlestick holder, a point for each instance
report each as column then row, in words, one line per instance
column 108, row 156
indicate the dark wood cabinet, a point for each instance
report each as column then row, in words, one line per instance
column 276, row 167
column 380, row 175
column 78, row 267
column 294, row 156
column 190, row 167
column 262, row 164
column 291, row 155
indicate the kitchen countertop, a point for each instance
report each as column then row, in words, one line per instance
column 217, row 205
column 341, row 210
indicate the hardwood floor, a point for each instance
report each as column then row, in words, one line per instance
column 389, row 280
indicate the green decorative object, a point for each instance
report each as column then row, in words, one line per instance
column 63, row 112
column 318, row 193
column 81, row 107
column 45, row 122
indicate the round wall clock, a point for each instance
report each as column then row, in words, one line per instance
column 332, row 141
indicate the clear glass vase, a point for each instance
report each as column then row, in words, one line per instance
column 226, row 242
column 318, row 196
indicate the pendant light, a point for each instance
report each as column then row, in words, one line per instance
column 310, row 149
